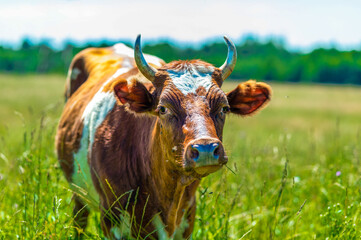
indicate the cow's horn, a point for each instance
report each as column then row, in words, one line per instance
column 231, row 60
column 142, row 65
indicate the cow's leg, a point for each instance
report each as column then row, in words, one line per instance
column 191, row 214
column 114, row 224
column 106, row 224
column 109, row 225
column 80, row 213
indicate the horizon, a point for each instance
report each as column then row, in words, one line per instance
column 278, row 40
column 295, row 24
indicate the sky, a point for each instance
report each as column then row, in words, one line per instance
column 303, row 24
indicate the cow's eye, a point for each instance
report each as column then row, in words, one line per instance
column 162, row 110
column 225, row 109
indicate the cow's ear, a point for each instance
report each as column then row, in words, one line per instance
column 249, row 97
column 135, row 95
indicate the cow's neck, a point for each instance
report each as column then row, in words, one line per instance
column 168, row 184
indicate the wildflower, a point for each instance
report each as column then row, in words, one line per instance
column 296, row 179
column 338, row 173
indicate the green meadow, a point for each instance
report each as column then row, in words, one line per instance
column 294, row 169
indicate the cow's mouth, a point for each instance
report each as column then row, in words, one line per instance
column 192, row 174
column 205, row 170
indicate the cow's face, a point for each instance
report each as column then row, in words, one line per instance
column 191, row 110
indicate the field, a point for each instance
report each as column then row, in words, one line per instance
column 294, row 169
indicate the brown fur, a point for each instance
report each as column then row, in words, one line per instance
column 99, row 65
column 249, row 97
column 141, row 171
column 140, row 150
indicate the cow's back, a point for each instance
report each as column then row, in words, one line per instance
column 90, row 98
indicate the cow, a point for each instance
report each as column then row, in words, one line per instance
column 137, row 135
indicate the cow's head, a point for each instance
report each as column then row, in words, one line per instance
column 186, row 97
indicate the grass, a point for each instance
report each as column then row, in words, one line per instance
column 294, row 170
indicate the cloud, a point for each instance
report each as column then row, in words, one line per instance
column 302, row 23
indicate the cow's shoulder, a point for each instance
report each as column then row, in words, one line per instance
column 88, row 65
column 94, row 66
column 90, row 97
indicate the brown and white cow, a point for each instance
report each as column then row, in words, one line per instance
column 137, row 135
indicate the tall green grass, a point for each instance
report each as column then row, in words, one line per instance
column 294, row 169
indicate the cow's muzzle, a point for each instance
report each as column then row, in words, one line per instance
column 204, row 156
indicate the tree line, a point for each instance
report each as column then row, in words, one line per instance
column 270, row 60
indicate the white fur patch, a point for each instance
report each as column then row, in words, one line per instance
column 124, row 50
column 94, row 114
column 201, row 129
column 127, row 63
column 188, row 81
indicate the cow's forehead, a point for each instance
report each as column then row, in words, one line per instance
column 188, row 77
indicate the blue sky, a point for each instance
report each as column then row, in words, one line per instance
column 304, row 24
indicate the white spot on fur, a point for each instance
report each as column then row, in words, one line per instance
column 199, row 121
column 124, row 50
column 93, row 115
column 203, row 69
column 188, row 81
column 127, row 63
column 153, row 60
column 200, row 129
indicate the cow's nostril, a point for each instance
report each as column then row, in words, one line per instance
column 216, row 151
